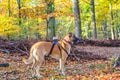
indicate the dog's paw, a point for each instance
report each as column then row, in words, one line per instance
column 39, row 76
column 59, row 69
column 63, row 73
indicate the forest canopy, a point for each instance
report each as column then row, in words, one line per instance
column 28, row 19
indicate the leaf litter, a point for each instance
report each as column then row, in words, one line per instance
column 95, row 64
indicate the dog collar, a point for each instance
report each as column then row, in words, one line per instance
column 67, row 41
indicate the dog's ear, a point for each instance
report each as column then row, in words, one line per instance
column 70, row 34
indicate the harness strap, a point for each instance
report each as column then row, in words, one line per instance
column 64, row 50
column 55, row 42
column 60, row 47
column 51, row 49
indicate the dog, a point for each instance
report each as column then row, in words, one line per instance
column 41, row 49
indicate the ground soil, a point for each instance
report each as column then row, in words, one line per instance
column 95, row 63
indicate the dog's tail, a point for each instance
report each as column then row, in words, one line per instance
column 30, row 59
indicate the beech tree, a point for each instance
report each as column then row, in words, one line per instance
column 9, row 9
column 50, row 20
column 78, row 31
column 19, row 14
column 31, row 16
column 93, row 19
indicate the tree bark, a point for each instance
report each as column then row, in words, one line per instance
column 78, row 31
column 9, row 10
column 93, row 19
column 50, row 20
column 19, row 14
column 87, row 30
column 105, row 35
column 112, row 23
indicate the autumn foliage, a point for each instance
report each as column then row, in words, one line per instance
column 24, row 22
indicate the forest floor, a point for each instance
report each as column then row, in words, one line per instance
column 96, row 63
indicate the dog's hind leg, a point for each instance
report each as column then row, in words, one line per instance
column 33, row 67
column 38, row 65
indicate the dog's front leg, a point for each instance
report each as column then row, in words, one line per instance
column 62, row 62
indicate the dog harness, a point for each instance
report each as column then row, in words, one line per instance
column 55, row 42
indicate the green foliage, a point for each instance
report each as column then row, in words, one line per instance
column 64, row 26
column 8, row 27
column 33, row 17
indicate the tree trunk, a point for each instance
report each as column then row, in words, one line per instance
column 105, row 35
column 112, row 23
column 78, row 31
column 19, row 18
column 117, row 25
column 93, row 19
column 88, row 28
column 19, row 14
column 116, row 32
column 9, row 10
column 50, row 20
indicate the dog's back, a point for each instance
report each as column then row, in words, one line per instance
column 41, row 49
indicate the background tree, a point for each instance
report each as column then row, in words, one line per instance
column 50, row 20
column 93, row 19
column 114, row 31
column 19, row 13
column 33, row 19
column 112, row 23
column 9, row 9
column 78, row 31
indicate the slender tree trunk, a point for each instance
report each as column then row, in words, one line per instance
column 112, row 23
column 93, row 19
column 19, row 18
column 77, row 19
column 50, row 20
column 9, row 10
column 116, row 32
column 19, row 13
column 88, row 28
column 105, row 35
column 9, row 14
column 117, row 25
column 118, row 29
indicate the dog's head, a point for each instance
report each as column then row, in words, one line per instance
column 71, row 39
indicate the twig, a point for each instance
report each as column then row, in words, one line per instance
column 73, row 53
column 5, row 50
column 22, row 51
